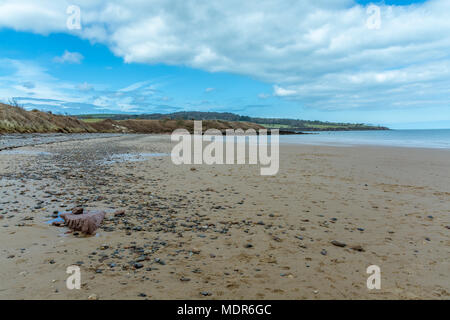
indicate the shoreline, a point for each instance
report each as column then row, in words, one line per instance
column 362, row 146
column 66, row 137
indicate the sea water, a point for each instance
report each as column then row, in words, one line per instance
column 426, row 138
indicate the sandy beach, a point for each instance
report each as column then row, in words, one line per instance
column 225, row 231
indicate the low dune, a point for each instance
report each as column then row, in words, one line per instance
column 14, row 119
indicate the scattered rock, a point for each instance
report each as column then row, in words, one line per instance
column 338, row 243
column 119, row 213
column 93, row 297
column 357, row 248
column 277, row 239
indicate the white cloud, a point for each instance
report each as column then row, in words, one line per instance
column 318, row 52
column 134, row 86
column 42, row 16
column 69, row 57
column 32, row 86
column 281, row 92
column 85, row 86
column 209, row 90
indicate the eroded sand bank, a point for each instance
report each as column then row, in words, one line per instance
column 226, row 232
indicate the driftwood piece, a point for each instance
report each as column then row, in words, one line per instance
column 88, row 222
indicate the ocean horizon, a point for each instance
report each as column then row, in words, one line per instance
column 413, row 138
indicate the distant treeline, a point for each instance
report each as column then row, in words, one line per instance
column 304, row 125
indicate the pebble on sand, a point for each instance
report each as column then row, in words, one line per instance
column 338, row 243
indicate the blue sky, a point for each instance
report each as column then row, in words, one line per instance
column 315, row 60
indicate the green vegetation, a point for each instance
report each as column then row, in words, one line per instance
column 276, row 126
column 92, row 120
column 270, row 123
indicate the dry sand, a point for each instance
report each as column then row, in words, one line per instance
column 224, row 231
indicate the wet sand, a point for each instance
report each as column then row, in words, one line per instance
column 11, row 141
column 225, row 231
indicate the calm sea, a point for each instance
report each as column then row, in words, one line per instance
column 435, row 138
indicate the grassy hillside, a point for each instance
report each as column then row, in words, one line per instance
column 14, row 119
column 284, row 124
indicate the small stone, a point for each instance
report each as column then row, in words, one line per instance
column 205, row 293
column 141, row 258
column 338, row 243
column 323, row 252
column 119, row 213
column 277, row 239
column 248, row 245
column 357, row 248
column 93, row 297
column 138, row 265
